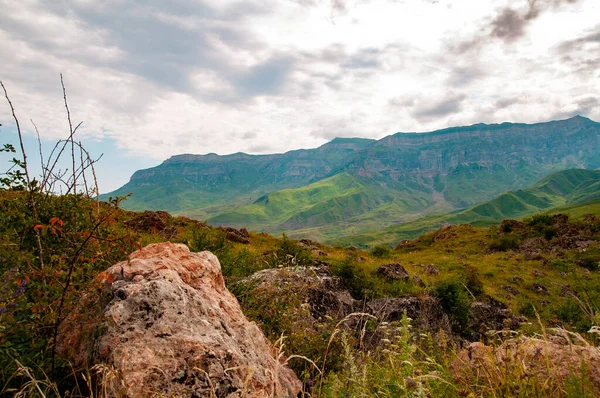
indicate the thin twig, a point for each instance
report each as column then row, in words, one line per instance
column 72, row 264
column 40, row 149
column 29, row 187
column 71, row 131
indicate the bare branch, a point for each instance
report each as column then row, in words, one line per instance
column 71, row 131
column 40, row 149
column 29, row 187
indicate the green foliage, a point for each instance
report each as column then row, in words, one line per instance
column 473, row 282
column 40, row 288
column 539, row 220
column 380, row 251
column 291, row 253
column 570, row 312
column 456, row 302
column 589, row 259
column 504, row 243
column 395, row 367
column 355, row 278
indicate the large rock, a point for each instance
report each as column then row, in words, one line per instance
column 550, row 361
column 426, row 312
column 317, row 288
column 171, row 328
column 393, row 272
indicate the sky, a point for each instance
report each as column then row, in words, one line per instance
column 154, row 78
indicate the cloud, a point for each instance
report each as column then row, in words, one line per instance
column 266, row 78
column 266, row 75
column 451, row 103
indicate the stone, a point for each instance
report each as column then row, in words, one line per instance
column 538, row 359
column 431, row 269
column 236, row 235
column 491, row 315
column 323, row 293
column 426, row 312
column 153, row 222
column 170, row 327
column 393, row 272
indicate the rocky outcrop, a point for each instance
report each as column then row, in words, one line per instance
column 491, row 315
column 236, row 235
column 316, row 288
column 393, row 272
column 171, row 328
column 154, row 222
column 541, row 359
column 426, row 312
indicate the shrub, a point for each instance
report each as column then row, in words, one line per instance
column 290, row 253
column 473, row 282
column 355, row 278
column 380, row 251
column 504, row 243
column 539, row 220
column 589, row 259
column 455, row 301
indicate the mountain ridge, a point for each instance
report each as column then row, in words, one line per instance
column 401, row 175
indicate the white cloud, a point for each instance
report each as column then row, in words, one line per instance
column 269, row 76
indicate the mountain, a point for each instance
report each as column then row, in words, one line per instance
column 575, row 192
column 350, row 186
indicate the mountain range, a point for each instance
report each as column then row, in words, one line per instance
column 353, row 186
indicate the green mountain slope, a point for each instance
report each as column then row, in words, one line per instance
column 571, row 191
column 399, row 178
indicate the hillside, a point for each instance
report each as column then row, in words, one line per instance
column 333, row 305
column 574, row 192
column 399, row 178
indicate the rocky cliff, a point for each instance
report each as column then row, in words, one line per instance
column 398, row 176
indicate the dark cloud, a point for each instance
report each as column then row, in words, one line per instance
column 267, row 78
column 402, row 102
column 166, row 44
column 582, row 107
column 369, row 58
column 508, row 25
column 582, row 55
column 506, row 102
column 579, row 43
column 464, row 75
column 452, row 103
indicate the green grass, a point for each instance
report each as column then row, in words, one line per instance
column 565, row 191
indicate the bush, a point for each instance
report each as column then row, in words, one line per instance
column 355, row 278
column 589, row 259
column 539, row 220
column 474, row 282
column 504, row 243
column 290, row 253
column 570, row 312
column 380, row 251
column 455, row 301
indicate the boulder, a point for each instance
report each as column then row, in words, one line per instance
column 153, row 222
column 236, row 235
column 426, row 312
column 393, row 272
column 491, row 315
column 317, row 288
column 170, row 327
column 530, row 358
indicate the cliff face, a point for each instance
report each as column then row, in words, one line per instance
column 401, row 174
column 507, row 145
